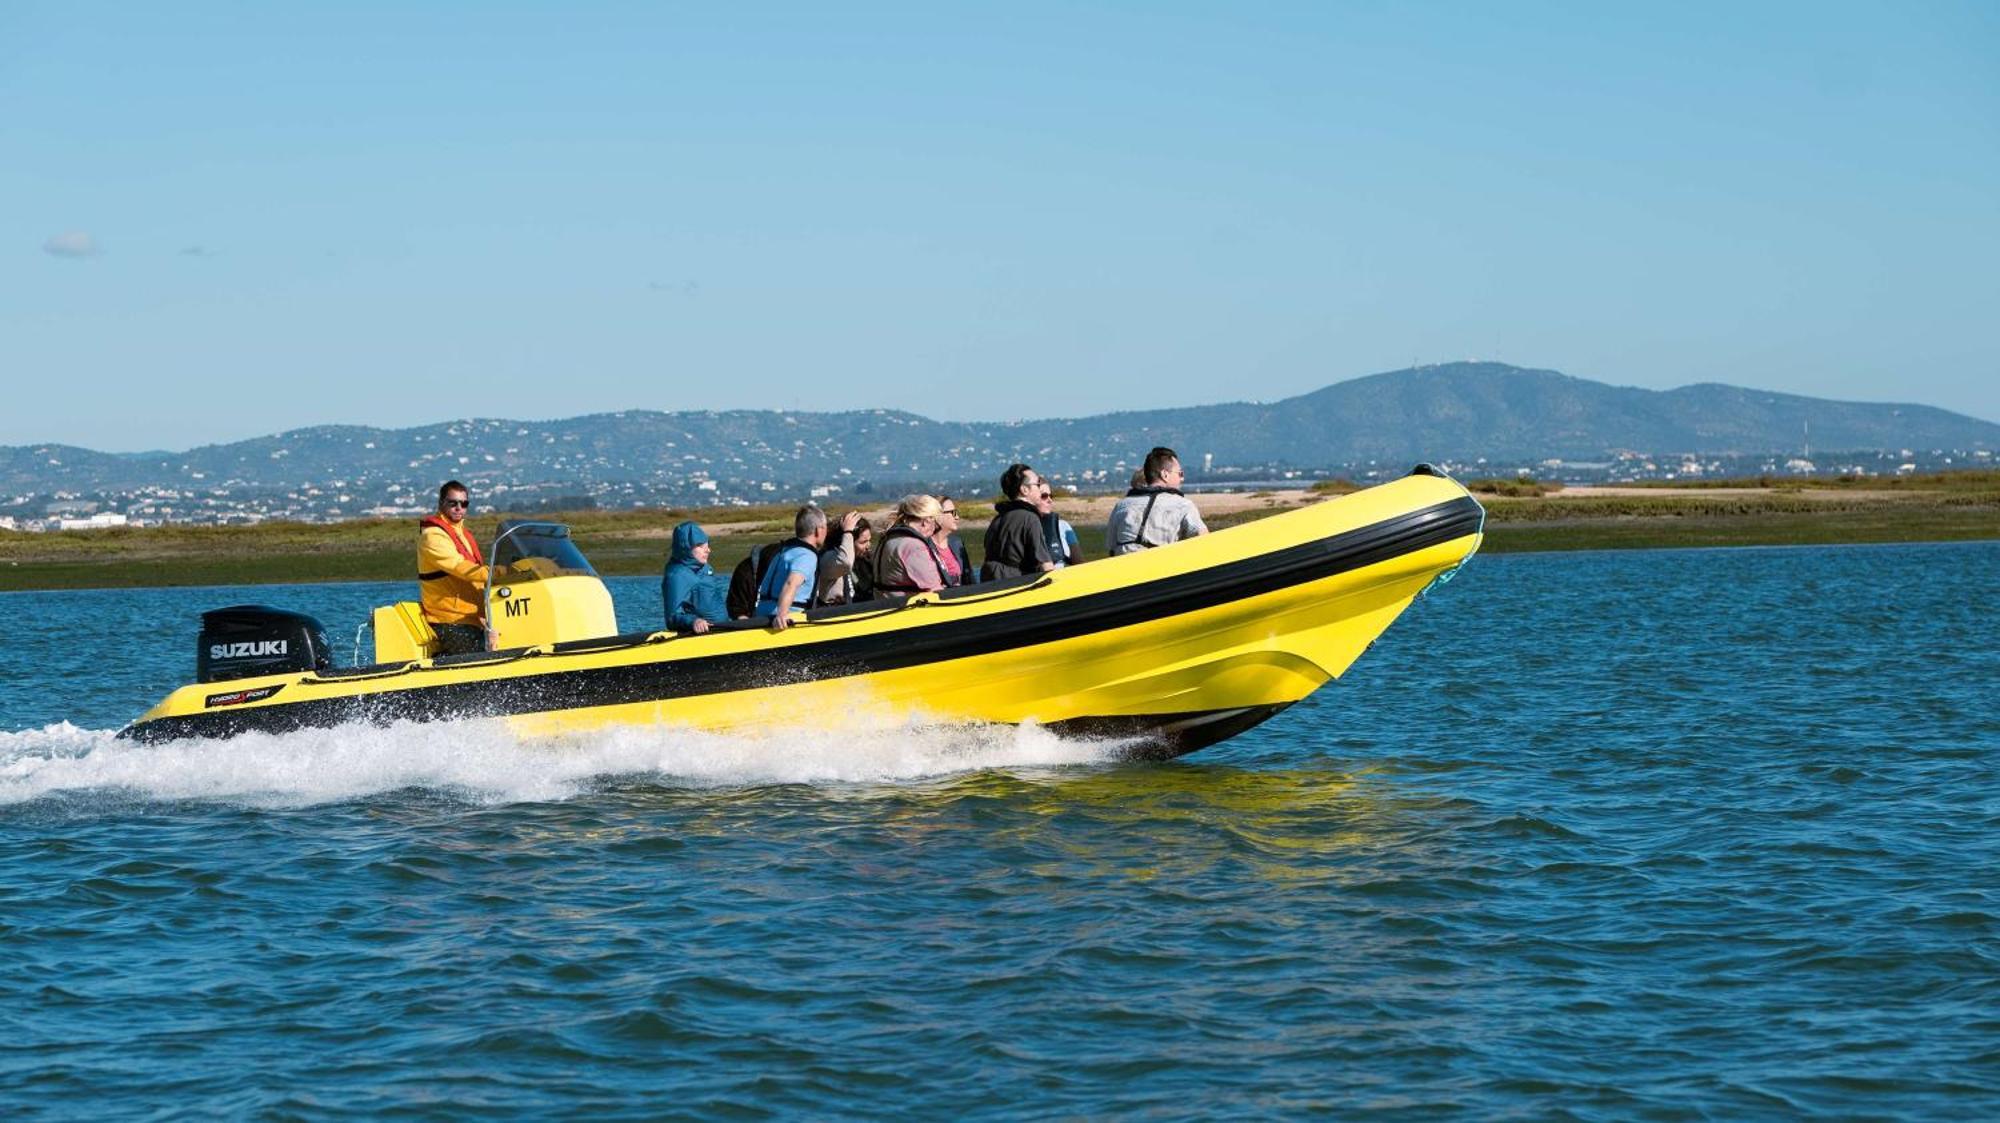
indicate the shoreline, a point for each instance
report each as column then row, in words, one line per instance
column 1488, row 548
column 632, row 543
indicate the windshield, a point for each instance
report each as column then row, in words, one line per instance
column 530, row 551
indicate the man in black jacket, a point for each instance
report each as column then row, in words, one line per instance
column 1014, row 542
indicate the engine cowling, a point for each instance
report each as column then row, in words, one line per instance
column 247, row 640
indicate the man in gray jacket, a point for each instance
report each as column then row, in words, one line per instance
column 1156, row 514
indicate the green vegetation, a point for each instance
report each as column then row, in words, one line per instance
column 1951, row 506
column 618, row 542
column 1808, row 528
column 1518, row 487
column 1971, row 480
column 1944, row 507
column 1730, row 505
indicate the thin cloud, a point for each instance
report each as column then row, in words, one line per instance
column 197, row 251
column 72, row 243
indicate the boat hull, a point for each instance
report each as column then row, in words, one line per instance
column 1164, row 651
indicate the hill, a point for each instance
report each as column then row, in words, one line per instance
column 1457, row 412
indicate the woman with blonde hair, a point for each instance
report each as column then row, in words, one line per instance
column 906, row 560
column 951, row 551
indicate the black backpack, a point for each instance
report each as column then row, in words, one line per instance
column 744, row 581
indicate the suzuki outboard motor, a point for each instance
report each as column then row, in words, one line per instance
column 254, row 639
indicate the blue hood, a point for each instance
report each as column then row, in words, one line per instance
column 687, row 536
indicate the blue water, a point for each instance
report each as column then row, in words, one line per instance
column 1606, row 836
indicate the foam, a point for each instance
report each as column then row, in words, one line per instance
column 483, row 762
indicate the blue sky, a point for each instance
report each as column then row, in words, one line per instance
column 224, row 220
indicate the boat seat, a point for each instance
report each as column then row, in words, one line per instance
column 402, row 634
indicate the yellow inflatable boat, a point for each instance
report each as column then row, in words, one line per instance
column 1167, row 650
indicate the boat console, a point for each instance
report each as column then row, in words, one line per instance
column 540, row 591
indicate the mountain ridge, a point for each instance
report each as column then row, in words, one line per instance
column 1453, row 411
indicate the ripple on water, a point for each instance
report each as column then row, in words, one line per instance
column 1696, row 834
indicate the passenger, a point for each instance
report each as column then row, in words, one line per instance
column 451, row 575
column 836, row 582
column 864, row 562
column 1014, row 541
column 951, row 550
column 907, row 560
column 744, row 579
column 1156, row 514
column 788, row 582
column 1056, row 531
column 691, row 592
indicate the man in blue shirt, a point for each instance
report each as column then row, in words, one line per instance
column 788, row 578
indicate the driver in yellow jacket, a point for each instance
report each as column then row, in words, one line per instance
column 451, row 574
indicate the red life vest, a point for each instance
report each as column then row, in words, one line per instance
column 468, row 548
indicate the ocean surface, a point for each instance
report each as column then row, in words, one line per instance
column 1664, row 835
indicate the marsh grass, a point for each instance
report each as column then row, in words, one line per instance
column 1942, row 507
column 1740, row 505
column 1971, row 480
column 1523, row 487
column 1337, row 486
column 1815, row 527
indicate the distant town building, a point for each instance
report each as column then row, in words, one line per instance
column 98, row 521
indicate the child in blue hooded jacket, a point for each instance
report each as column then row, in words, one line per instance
column 692, row 593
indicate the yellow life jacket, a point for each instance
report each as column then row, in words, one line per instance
column 451, row 573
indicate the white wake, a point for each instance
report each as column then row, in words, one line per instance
column 482, row 761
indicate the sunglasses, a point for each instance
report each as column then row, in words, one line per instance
column 949, row 511
column 454, row 503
